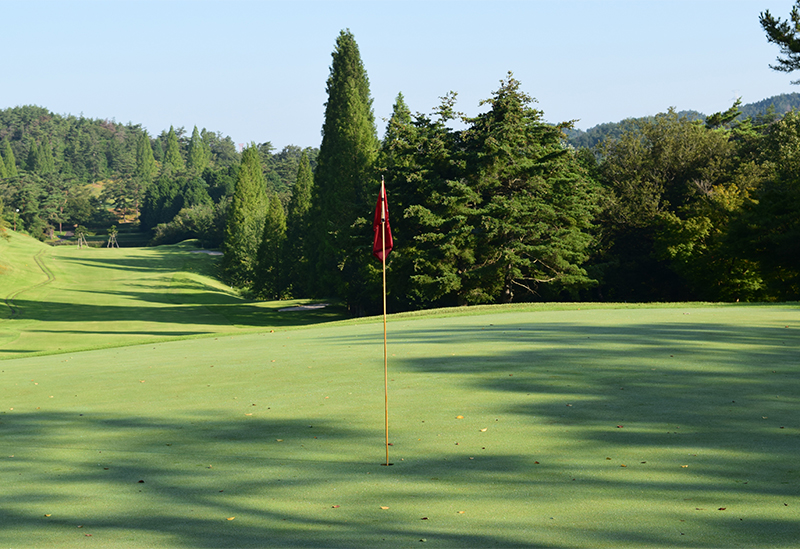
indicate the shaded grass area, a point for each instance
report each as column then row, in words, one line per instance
column 65, row 298
column 674, row 427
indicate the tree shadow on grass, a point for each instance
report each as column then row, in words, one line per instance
column 203, row 481
column 723, row 395
column 205, row 310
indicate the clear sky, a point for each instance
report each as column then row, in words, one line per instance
column 256, row 70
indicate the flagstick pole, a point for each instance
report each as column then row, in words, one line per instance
column 385, row 349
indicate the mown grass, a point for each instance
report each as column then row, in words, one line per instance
column 56, row 299
column 657, row 426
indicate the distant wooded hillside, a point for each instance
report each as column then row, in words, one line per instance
column 772, row 106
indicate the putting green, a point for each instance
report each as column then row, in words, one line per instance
column 638, row 427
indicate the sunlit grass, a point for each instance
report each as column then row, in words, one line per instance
column 56, row 299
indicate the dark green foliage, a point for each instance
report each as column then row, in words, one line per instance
column 78, row 208
column 205, row 222
column 77, row 151
column 767, row 230
column 161, row 202
column 9, row 159
column 429, row 207
column 535, row 204
column 345, row 182
column 675, row 185
column 221, row 182
column 245, row 221
column 298, row 222
column 492, row 213
column 270, row 280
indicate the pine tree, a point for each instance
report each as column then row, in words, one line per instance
column 173, row 161
column 345, row 181
column 297, row 229
column 536, row 206
column 199, row 154
column 427, row 188
column 245, row 221
column 270, row 278
column 8, row 158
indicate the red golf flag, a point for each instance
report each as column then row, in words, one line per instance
column 381, row 247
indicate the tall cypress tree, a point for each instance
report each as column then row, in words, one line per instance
column 3, row 172
column 296, row 254
column 245, row 224
column 173, row 161
column 270, row 276
column 199, row 154
column 345, row 180
column 146, row 167
column 144, row 171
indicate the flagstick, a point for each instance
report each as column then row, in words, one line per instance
column 385, row 350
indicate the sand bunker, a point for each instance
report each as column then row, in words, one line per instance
column 304, row 307
column 209, row 252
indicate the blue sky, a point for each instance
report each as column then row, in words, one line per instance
column 256, row 70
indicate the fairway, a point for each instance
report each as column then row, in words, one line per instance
column 57, row 299
column 629, row 427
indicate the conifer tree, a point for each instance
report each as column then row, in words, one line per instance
column 146, row 168
column 199, row 154
column 8, row 158
column 46, row 160
column 297, row 229
column 33, row 162
column 245, row 223
column 144, row 171
column 3, row 172
column 173, row 161
column 536, row 205
column 270, row 277
column 344, row 180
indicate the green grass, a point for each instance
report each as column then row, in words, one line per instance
column 646, row 426
column 57, row 299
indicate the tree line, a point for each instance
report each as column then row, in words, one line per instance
column 494, row 208
column 58, row 172
column 675, row 207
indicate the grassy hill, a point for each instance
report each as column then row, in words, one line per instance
column 570, row 425
column 56, row 299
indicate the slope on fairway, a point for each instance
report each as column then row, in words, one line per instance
column 662, row 427
column 67, row 298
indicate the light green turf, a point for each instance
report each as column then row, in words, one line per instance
column 66, row 298
column 644, row 427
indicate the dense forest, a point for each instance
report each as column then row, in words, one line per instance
column 58, row 172
column 508, row 208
